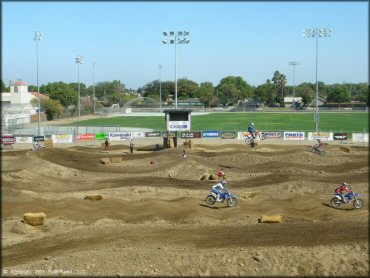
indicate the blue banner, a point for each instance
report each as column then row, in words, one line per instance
column 211, row 133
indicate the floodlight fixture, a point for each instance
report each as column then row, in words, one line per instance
column 173, row 38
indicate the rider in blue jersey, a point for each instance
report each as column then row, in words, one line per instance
column 252, row 130
column 218, row 187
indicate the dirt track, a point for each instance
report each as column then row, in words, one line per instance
column 153, row 220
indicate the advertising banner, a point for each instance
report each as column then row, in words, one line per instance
column 294, row 135
column 62, row 138
column 153, row 134
column 272, row 134
column 228, row 135
column 139, row 134
column 241, row 135
column 323, row 136
column 23, row 139
column 340, row 136
column 191, row 135
column 120, row 136
column 179, row 125
column 85, row 137
column 211, row 134
column 360, row 137
column 38, row 138
column 100, row 136
column 170, row 134
column 7, row 140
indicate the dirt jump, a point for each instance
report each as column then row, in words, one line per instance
column 145, row 214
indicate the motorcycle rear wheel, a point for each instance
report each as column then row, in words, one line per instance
column 335, row 202
column 210, row 199
column 248, row 141
column 232, row 202
column 358, row 203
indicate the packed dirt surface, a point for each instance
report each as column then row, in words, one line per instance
column 153, row 220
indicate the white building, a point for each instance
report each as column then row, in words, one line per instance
column 16, row 105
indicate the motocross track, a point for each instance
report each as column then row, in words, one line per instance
column 153, row 221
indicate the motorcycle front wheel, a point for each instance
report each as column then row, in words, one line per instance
column 262, row 136
column 358, row 203
column 210, row 199
column 232, row 202
column 322, row 152
column 335, row 202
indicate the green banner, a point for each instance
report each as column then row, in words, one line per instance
column 100, row 136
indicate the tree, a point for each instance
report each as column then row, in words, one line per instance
column 65, row 93
column 186, row 88
column 265, row 93
column 52, row 108
column 338, row 94
column 4, row 88
column 233, row 88
column 306, row 92
column 279, row 83
column 207, row 94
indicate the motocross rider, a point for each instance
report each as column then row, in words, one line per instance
column 252, row 130
column 318, row 146
column 217, row 188
column 343, row 187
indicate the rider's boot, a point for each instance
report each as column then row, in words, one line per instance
column 218, row 198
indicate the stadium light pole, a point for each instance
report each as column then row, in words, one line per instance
column 317, row 33
column 79, row 60
column 94, row 86
column 175, row 38
column 160, row 87
column 293, row 64
column 37, row 38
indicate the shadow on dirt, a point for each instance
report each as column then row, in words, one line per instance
column 340, row 208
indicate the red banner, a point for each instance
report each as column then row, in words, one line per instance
column 89, row 136
column 7, row 140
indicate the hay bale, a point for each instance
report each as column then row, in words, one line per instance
column 116, row 159
column 48, row 143
column 204, row 177
column 251, row 194
column 97, row 197
column 105, row 160
column 271, row 218
column 345, row 149
column 34, row 219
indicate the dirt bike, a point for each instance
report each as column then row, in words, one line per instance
column 37, row 147
column 226, row 196
column 348, row 198
column 249, row 138
column 316, row 150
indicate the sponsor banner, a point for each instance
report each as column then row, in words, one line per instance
column 241, row 135
column 340, row 136
column 85, row 137
column 211, row 134
column 100, row 136
column 272, row 134
column 360, row 137
column 62, row 138
column 323, row 136
column 139, row 134
column 228, row 135
column 7, row 140
column 153, row 134
column 38, row 138
column 192, row 135
column 178, row 125
column 294, row 135
column 23, row 139
column 170, row 134
column 118, row 136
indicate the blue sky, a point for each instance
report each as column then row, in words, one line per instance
column 247, row 39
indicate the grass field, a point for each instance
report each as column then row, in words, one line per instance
column 347, row 122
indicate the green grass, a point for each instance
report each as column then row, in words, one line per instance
column 348, row 122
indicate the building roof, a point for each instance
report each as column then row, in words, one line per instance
column 36, row 94
column 19, row 83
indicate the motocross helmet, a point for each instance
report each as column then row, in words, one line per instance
column 252, row 124
column 224, row 182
